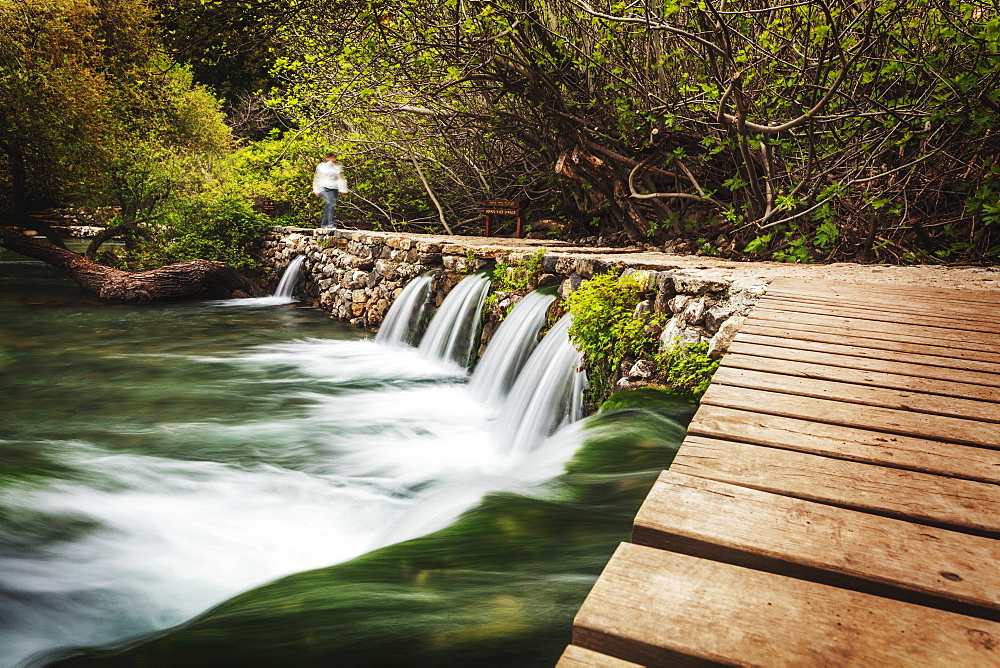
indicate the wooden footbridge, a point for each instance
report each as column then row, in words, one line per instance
column 836, row 501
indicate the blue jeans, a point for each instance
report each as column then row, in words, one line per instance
column 329, row 196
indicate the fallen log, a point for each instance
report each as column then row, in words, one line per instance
column 193, row 279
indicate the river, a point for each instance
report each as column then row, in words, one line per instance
column 218, row 484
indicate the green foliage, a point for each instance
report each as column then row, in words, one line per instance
column 688, row 368
column 606, row 330
column 217, row 224
column 90, row 104
column 842, row 109
column 517, row 277
column 280, row 168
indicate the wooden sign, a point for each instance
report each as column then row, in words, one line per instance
column 505, row 207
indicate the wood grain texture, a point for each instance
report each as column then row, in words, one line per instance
column 974, row 321
column 659, row 608
column 914, row 401
column 763, row 313
column 752, row 358
column 912, row 305
column 875, row 418
column 766, row 531
column 945, row 296
column 745, row 345
column 838, row 441
column 849, row 336
column 962, row 505
column 579, row 657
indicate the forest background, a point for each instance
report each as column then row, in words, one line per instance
column 799, row 131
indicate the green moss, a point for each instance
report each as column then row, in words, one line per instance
column 517, row 278
column 688, row 368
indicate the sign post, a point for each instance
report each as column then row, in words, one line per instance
column 505, row 207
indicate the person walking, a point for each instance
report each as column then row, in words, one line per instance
column 329, row 183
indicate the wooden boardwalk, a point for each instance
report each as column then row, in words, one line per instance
column 836, row 501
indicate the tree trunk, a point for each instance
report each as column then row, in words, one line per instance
column 194, row 279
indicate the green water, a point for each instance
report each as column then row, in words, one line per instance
column 205, row 485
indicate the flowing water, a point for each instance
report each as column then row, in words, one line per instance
column 453, row 332
column 339, row 500
column 282, row 294
column 510, row 348
column 403, row 323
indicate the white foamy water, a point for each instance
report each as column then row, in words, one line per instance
column 402, row 320
column 454, row 330
column 282, row 294
column 361, row 446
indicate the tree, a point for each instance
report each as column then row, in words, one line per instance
column 799, row 131
column 92, row 112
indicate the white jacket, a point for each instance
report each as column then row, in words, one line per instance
column 329, row 175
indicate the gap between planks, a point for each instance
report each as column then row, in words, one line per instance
column 845, row 354
column 658, row 608
column 789, row 536
column 796, row 334
column 921, row 378
column 910, row 401
column 763, row 314
column 838, row 441
column 875, row 418
column 961, row 505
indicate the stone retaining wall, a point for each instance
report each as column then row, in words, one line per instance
column 355, row 276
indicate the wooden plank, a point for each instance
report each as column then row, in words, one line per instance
column 755, row 529
column 745, row 345
column 973, row 361
column 947, row 295
column 871, row 447
column 579, row 657
column 949, row 322
column 883, row 340
column 913, row 305
column 762, row 315
column 867, row 396
column 921, row 497
column 739, row 359
column 944, row 295
column 658, row 608
column 886, row 420
column 914, row 302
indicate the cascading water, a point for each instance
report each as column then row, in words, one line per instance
column 288, row 279
column 282, row 295
column 118, row 520
column 452, row 333
column 547, row 393
column 510, row 347
column 402, row 323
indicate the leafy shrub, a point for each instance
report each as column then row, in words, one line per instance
column 687, row 367
column 214, row 225
column 517, row 278
column 607, row 331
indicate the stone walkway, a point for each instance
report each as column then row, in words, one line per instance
column 936, row 276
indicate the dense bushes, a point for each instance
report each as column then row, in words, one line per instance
column 798, row 131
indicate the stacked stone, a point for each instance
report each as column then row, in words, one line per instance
column 355, row 276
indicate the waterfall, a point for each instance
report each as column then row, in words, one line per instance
column 402, row 323
column 281, row 296
column 454, row 329
column 288, row 279
column 510, row 348
column 546, row 394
